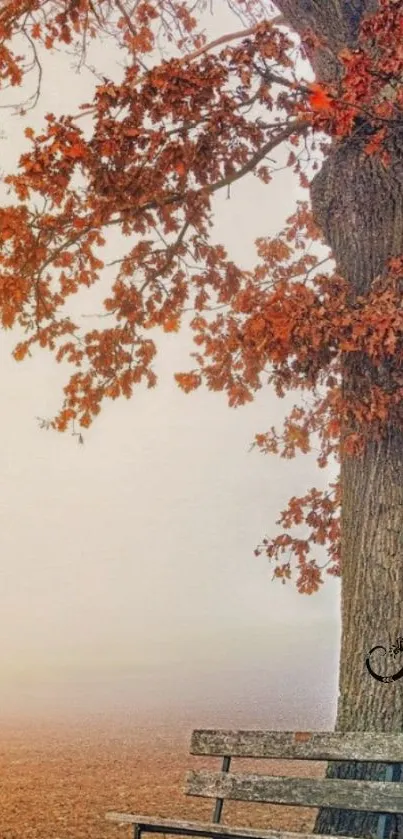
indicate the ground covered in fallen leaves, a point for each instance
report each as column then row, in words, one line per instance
column 59, row 779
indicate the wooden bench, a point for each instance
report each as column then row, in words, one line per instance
column 383, row 797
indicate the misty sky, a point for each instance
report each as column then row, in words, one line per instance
column 127, row 567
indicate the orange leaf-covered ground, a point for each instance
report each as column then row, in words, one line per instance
column 58, row 780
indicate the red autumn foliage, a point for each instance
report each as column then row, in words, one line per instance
column 319, row 100
column 162, row 142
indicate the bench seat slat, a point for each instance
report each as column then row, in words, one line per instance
column 299, row 745
column 373, row 796
column 155, row 825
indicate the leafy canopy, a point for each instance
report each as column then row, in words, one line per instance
column 158, row 145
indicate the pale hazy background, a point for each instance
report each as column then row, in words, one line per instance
column 128, row 578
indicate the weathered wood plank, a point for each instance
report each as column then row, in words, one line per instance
column 156, row 825
column 373, row 796
column 300, row 745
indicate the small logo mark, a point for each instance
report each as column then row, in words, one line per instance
column 394, row 650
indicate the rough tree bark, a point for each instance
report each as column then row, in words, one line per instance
column 358, row 204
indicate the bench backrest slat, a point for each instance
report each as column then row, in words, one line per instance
column 295, row 745
column 373, row 796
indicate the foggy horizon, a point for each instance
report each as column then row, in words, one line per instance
column 279, row 691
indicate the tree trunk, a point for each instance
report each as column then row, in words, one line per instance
column 371, row 603
column 358, row 204
column 336, row 22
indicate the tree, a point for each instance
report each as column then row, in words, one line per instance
column 160, row 143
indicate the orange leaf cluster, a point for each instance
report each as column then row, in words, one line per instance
column 163, row 141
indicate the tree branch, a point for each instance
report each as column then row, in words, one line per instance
column 279, row 20
column 297, row 127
